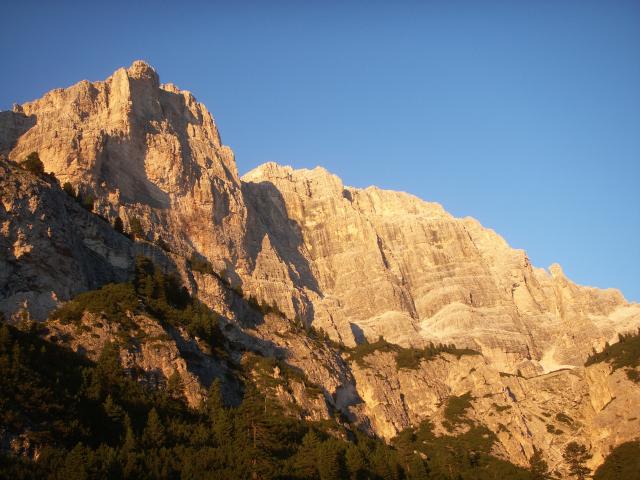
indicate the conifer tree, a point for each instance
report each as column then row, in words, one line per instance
column 416, row 469
column 217, row 414
column 118, row 226
column 129, row 440
column 5, row 338
column 135, row 227
column 154, row 432
column 537, row 465
column 175, row 386
column 69, row 190
column 305, row 465
column 108, row 372
column 330, row 462
column 355, row 462
column 576, row 455
column 75, row 464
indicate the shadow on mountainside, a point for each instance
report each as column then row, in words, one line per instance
column 12, row 126
column 267, row 215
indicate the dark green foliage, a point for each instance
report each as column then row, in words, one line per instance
column 633, row 375
column 118, row 226
column 501, row 408
column 38, row 384
column 263, row 307
column 69, row 190
column 264, row 367
column 359, row 353
column 175, row 386
column 154, row 435
column 408, row 358
column 622, row 463
column 153, row 292
column 135, row 227
column 576, row 456
column 92, row 421
column 625, row 353
column 166, row 299
column 552, row 429
column 538, row 467
column 455, row 410
column 466, row 456
column 199, row 264
column 33, row 164
column 87, row 201
column 113, row 301
column 561, row 417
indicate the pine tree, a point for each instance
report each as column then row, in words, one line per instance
column 108, row 373
column 129, row 441
column 355, row 462
column 69, row 190
column 576, row 455
column 306, row 462
column 175, row 386
column 217, row 414
column 118, row 226
column 5, row 338
column 330, row 463
column 75, row 464
column 537, row 465
column 127, row 451
column 154, row 433
column 114, row 412
column 115, row 415
column 135, row 227
column 256, row 438
column 87, row 201
column 384, row 464
column 417, row 470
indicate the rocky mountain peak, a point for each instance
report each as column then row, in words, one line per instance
column 141, row 70
column 291, row 258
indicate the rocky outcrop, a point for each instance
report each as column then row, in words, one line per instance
column 589, row 405
column 52, row 248
column 153, row 354
column 292, row 256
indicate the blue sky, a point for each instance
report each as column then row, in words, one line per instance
column 525, row 115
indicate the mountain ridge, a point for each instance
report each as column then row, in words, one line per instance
column 285, row 252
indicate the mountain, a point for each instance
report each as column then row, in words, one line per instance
column 387, row 307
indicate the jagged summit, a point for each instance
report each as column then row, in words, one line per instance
column 141, row 70
column 355, row 263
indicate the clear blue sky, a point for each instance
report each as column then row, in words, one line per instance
column 525, row 115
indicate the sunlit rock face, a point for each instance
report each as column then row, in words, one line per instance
column 141, row 149
column 355, row 263
column 387, row 263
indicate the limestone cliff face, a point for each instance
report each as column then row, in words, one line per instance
column 387, row 263
column 592, row 405
column 153, row 152
column 141, row 149
column 355, row 263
